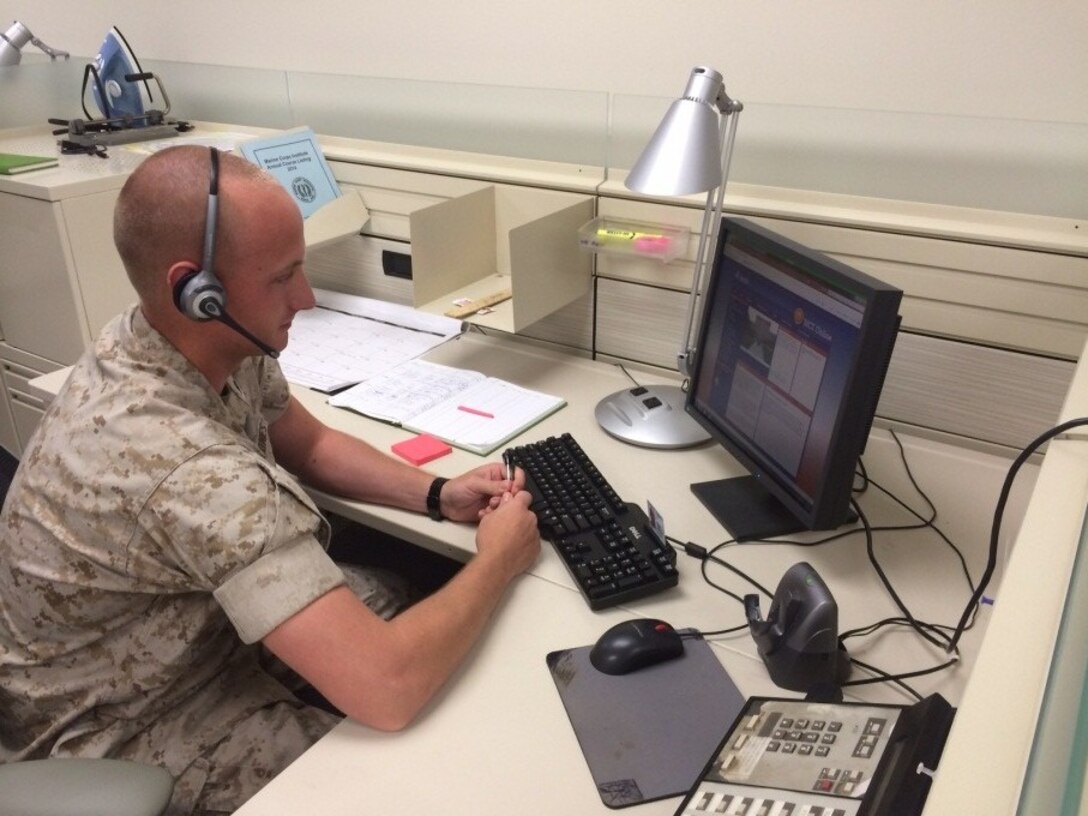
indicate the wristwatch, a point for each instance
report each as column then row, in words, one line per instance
column 434, row 505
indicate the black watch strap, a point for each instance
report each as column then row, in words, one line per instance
column 434, row 504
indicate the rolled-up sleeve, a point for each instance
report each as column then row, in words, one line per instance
column 281, row 583
column 229, row 522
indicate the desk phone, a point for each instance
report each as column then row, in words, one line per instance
column 785, row 757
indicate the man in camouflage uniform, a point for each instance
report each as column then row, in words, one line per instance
column 154, row 552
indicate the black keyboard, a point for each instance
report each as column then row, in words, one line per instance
column 606, row 543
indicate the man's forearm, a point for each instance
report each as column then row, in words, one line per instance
column 346, row 466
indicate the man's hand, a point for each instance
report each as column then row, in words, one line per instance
column 474, row 494
column 510, row 531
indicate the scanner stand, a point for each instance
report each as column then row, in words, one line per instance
column 799, row 640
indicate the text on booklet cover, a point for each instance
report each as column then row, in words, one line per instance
column 294, row 157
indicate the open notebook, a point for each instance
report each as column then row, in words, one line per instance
column 464, row 408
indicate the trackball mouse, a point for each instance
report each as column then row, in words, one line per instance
column 635, row 644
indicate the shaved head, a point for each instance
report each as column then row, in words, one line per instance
column 160, row 213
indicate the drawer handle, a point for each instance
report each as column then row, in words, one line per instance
column 27, row 400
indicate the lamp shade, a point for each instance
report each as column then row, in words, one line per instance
column 11, row 42
column 685, row 153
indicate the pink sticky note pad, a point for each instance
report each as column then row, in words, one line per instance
column 421, row 449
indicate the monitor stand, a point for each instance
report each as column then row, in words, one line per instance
column 746, row 509
column 749, row 511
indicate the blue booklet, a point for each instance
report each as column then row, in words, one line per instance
column 294, row 157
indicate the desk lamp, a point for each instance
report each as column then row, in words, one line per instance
column 689, row 153
column 15, row 37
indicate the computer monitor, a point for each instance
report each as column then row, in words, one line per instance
column 789, row 363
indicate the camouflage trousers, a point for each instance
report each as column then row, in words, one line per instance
column 264, row 744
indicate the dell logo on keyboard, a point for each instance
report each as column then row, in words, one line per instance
column 635, row 534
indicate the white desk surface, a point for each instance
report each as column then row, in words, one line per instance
column 497, row 739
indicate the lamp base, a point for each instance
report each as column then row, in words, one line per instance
column 652, row 416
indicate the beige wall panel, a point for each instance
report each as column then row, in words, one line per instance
column 977, row 392
column 1021, row 264
column 1017, row 332
column 354, row 266
column 676, row 274
column 640, row 323
column 982, row 290
column 570, row 326
column 1036, row 301
column 1013, row 298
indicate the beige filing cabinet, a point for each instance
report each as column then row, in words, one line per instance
column 60, row 277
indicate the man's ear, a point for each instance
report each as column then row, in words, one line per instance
column 178, row 277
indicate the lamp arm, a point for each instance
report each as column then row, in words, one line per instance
column 53, row 53
column 15, row 37
column 708, row 232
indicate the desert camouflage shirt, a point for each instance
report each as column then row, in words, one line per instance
column 148, row 537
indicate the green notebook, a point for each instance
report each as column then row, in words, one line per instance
column 12, row 163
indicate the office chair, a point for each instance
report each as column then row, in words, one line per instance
column 83, row 787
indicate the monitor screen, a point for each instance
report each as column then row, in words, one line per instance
column 790, row 360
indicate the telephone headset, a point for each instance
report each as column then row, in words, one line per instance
column 198, row 294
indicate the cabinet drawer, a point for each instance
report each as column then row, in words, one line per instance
column 9, row 439
column 17, row 376
column 21, row 408
column 27, row 411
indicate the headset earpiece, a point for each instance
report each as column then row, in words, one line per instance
column 199, row 295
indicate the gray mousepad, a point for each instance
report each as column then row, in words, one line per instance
column 648, row 734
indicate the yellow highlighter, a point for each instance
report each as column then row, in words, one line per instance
column 647, row 242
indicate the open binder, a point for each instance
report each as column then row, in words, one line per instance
column 464, row 408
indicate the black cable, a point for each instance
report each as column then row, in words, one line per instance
column 623, row 368
column 896, row 677
column 696, row 633
column 864, row 474
column 936, row 634
column 999, row 512
column 863, row 631
column 883, row 677
column 700, row 553
column 871, row 551
column 719, row 587
column 712, row 556
column 923, row 524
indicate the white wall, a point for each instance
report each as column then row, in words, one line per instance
column 1018, row 59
